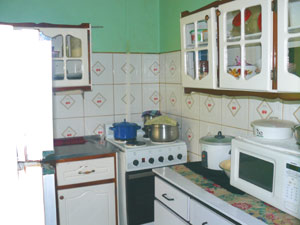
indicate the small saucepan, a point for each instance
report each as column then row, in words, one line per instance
column 124, row 130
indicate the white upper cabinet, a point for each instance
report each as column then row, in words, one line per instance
column 245, row 45
column 199, row 49
column 70, row 56
column 288, row 45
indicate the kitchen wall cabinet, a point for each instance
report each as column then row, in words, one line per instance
column 199, row 49
column 86, row 191
column 173, row 206
column 256, row 51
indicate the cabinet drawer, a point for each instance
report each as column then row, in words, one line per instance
column 85, row 171
column 199, row 214
column 172, row 197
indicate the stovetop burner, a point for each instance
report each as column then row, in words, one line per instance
column 133, row 143
column 219, row 177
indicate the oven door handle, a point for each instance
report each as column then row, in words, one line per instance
column 140, row 175
column 166, row 197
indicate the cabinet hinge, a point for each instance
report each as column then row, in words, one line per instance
column 274, row 5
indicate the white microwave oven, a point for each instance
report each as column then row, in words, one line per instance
column 268, row 170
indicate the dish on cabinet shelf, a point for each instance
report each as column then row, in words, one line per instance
column 235, row 71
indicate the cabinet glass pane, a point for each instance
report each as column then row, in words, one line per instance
column 190, row 64
column 294, row 16
column 58, row 69
column 253, row 60
column 73, row 46
column 253, row 22
column 74, row 69
column 202, row 33
column 233, row 25
column 234, row 60
column 57, row 46
column 293, row 55
column 203, row 63
column 190, row 35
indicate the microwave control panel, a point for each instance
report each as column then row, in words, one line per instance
column 292, row 187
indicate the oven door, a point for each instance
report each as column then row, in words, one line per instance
column 140, row 197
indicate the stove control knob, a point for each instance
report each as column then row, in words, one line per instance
column 179, row 156
column 135, row 162
column 170, row 158
column 161, row 159
column 151, row 160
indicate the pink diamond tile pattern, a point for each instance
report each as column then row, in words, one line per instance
column 264, row 110
column 189, row 101
column 155, row 97
column 99, row 100
column 297, row 114
column 69, row 132
column 189, row 134
column 209, row 103
column 99, row 130
column 172, row 67
column 124, row 99
column 154, row 68
column 127, row 68
column 67, row 101
column 234, row 107
column 98, row 68
column 173, row 99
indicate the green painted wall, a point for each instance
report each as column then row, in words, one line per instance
column 129, row 25
column 169, row 21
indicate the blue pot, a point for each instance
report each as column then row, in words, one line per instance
column 125, row 130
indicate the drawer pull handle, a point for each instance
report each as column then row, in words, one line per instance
column 204, row 223
column 169, row 199
column 86, row 172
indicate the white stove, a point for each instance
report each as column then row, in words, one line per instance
column 135, row 176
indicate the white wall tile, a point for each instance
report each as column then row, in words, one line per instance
column 173, row 94
column 102, row 70
column 209, row 129
column 150, row 68
column 134, row 118
column 235, row 112
column 210, row 108
column 192, row 157
column 99, row 101
column 67, row 106
column 132, row 95
column 260, row 108
column 162, row 63
column 291, row 111
column 173, row 74
column 96, row 125
column 190, row 105
column 65, row 128
column 151, row 97
column 233, row 131
column 127, row 65
column 190, row 134
column 163, row 98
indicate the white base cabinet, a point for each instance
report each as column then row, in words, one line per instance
column 163, row 216
column 92, row 205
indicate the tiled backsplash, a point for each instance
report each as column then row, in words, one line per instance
column 124, row 85
column 130, row 84
column 202, row 114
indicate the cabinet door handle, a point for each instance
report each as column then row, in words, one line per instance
column 204, row 223
column 169, row 199
column 86, row 172
column 61, row 197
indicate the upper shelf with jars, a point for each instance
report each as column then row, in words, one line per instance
column 256, row 52
column 71, row 54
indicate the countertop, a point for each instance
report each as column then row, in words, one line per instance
column 244, row 209
column 80, row 148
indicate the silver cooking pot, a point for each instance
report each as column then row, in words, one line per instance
column 163, row 132
column 296, row 130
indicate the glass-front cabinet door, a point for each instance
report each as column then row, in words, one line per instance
column 70, row 54
column 199, row 49
column 288, row 46
column 246, row 45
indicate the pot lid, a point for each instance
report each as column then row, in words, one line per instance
column 125, row 124
column 273, row 122
column 218, row 139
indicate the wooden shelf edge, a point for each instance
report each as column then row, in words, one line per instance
column 268, row 95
